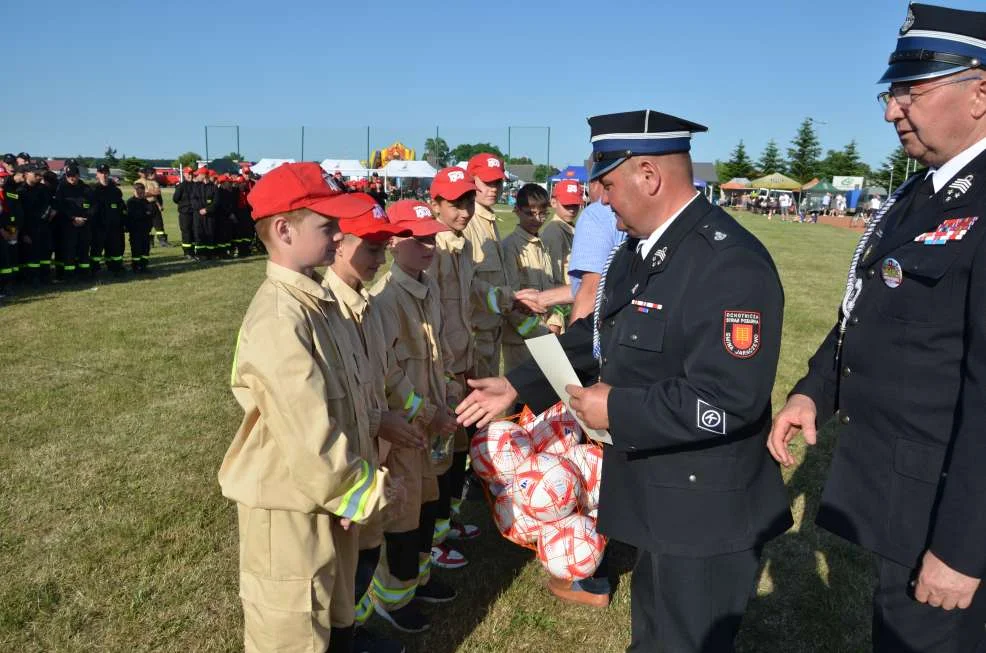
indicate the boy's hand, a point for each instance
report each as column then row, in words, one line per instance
column 490, row 397
column 443, row 422
column 395, row 429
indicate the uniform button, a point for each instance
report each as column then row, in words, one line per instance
column 844, row 419
column 870, row 273
column 692, row 478
column 612, row 323
column 605, row 360
column 854, row 320
column 633, row 336
column 846, row 371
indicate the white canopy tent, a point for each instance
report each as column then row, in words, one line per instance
column 348, row 167
column 418, row 169
column 264, row 166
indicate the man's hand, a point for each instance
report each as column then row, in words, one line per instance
column 202, row 211
column 940, row 586
column 798, row 414
column 78, row 221
column 555, row 329
column 395, row 429
column 529, row 299
column 591, row 405
column 489, row 398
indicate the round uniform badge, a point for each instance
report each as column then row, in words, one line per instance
column 892, row 273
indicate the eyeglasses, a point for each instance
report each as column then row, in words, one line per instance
column 905, row 97
column 535, row 214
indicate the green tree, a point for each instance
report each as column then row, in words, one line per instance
column 542, row 172
column 131, row 166
column 738, row 165
column 234, row 156
column 436, row 149
column 803, row 154
column 109, row 156
column 771, row 160
column 466, row 151
column 895, row 170
column 188, row 159
column 520, row 160
column 843, row 162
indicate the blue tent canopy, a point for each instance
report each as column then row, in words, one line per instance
column 576, row 173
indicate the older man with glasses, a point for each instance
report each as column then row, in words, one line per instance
column 903, row 371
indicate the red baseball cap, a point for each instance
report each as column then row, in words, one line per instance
column 488, row 167
column 567, row 192
column 202, row 171
column 451, row 184
column 187, row 169
column 293, row 186
column 415, row 217
column 373, row 223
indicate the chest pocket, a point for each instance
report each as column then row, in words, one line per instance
column 412, row 348
column 644, row 331
column 927, row 294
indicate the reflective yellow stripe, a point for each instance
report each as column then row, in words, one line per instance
column 528, row 325
column 392, row 597
column 353, row 503
column 412, row 405
column 491, row 302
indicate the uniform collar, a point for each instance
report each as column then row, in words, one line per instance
column 526, row 236
column 647, row 245
column 567, row 226
column 484, row 213
column 309, row 285
column 355, row 300
column 947, row 172
column 451, row 241
column 413, row 286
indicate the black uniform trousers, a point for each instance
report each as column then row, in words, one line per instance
column 108, row 245
column 186, row 223
column 74, row 242
column 205, row 234
column 903, row 625
column 140, row 245
column 689, row 605
column 35, row 256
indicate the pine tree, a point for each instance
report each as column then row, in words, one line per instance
column 803, row 154
column 738, row 165
column 771, row 160
column 897, row 163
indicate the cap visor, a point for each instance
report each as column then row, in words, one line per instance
column 422, row 227
column 601, row 168
column 341, row 206
column 489, row 175
column 453, row 192
column 912, row 71
column 376, row 233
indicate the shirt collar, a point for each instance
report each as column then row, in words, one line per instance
column 309, row 285
column 413, row 286
column 355, row 300
column 645, row 246
column 451, row 241
column 567, row 226
column 484, row 213
column 526, row 236
column 944, row 174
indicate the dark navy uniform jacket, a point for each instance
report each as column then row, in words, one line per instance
column 690, row 339
column 909, row 390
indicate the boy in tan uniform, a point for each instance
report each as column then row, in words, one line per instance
column 409, row 303
column 358, row 257
column 559, row 232
column 487, row 252
column 528, row 262
column 302, row 467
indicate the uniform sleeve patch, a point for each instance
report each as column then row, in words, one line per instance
column 741, row 333
column 709, row 418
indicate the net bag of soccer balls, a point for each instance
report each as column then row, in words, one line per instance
column 543, row 484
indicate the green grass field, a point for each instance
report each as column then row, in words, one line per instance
column 114, row 536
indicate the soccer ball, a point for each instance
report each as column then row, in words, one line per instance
column 588, row 460
column 515, row 525
column 547, row 487
column 571, row 548
column 497, row 450
column 554, row 431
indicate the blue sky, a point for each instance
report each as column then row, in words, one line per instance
column 146, row 77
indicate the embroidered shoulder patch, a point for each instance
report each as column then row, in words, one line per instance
column 741, row 333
